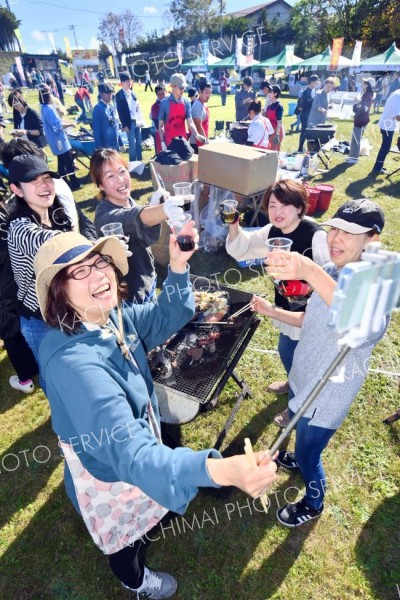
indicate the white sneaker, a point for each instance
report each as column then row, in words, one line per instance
column 156, row 585
column 352, row 161
column 26, row 387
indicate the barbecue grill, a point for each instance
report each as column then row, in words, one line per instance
column 317, row 136
column 239, row 133
column 192, row 386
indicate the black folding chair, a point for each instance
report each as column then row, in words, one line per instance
column 219, row 127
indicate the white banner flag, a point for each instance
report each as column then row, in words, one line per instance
column 239, row 55
column 356, row 58
column 179, row 51
column 52, row 41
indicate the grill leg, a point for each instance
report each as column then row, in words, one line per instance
column 244, row 393
column 324, row 158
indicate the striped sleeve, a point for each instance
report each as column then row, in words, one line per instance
column 24, row 240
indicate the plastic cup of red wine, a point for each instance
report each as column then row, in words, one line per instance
column 183, row 233
column 183, row 189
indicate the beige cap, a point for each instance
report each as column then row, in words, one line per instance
column 178, row 79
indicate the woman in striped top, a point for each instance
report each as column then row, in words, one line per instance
column 36, row 216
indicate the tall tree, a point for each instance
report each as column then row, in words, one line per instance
column 378, row 24
column 120, row 31
column 196, row 15
column 311, row 24
column 8, row 24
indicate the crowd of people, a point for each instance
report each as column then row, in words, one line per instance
column 81, row 306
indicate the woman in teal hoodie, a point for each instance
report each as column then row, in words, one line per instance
column 118, row 474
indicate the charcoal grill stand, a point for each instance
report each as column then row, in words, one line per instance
column 319, row 137
column 244, row 388
column 324, row 157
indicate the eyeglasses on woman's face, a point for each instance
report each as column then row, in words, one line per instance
column 83, row 271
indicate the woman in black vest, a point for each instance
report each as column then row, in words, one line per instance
column 26, row 121
column 286, row 205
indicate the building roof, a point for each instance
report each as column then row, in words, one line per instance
column 244, row 12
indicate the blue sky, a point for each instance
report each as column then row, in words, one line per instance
column 39, row 17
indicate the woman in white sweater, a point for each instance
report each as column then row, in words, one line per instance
column 286, row 205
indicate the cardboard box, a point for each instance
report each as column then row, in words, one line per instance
column 241, row 169
column 185, row 171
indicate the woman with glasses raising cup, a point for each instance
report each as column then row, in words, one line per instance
column 126, row 481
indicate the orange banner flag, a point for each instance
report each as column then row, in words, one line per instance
column 337, row 45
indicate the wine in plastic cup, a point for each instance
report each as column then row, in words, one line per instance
column 229, row 208
column 183, row 189
column 183, row 237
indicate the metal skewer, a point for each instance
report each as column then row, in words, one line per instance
column 248, row 449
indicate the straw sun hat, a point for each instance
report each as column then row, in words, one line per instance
column 66, row 249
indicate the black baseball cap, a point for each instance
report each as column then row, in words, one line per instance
column 358, row 216
column 26, row 168
column 105, row 88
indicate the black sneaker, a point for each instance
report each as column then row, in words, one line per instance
column 299, row 513
column 287, row 460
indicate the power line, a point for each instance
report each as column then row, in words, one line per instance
column 62, row 29
column 93, row 12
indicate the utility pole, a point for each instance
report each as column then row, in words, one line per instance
column 72, row 27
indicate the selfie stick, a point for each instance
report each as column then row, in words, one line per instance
column 366, row 293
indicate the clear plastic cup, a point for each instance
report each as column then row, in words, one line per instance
column 117, row 230
column 183, row 189
column 278, row 243
column 273, row 244
column 112, row 229
column 229, row 208
column 184, row 235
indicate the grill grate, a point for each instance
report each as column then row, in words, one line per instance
column 197, row 379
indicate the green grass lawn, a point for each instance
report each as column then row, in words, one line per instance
column 226, row 547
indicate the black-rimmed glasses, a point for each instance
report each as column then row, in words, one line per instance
column 84, row 271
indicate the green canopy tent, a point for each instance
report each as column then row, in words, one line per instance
column 280, row 61
column 322, row 61
column 387, row 61
column 198, row 65
column 226, row 63
column 230, row 63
